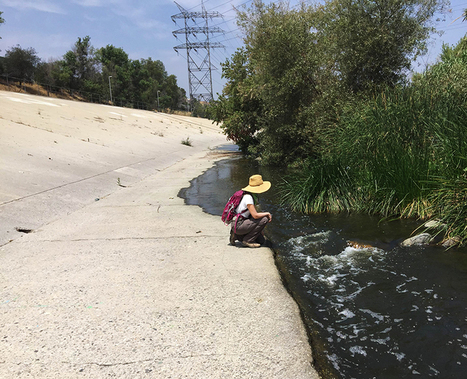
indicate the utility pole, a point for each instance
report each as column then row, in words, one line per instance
column 110, row 90
column 198, row 53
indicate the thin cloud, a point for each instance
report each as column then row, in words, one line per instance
column 89, row 3
column 42, row 6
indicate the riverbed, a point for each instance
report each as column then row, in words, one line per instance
column 372, row 309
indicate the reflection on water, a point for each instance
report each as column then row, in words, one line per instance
column 377, row 311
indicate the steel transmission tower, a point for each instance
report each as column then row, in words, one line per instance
column 198, row 53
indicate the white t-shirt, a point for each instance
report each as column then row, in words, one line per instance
column 247, row 199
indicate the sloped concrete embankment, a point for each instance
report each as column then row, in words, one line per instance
column 139, row 285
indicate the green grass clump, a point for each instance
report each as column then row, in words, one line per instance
column 186, row 142
column 399, row 153
column 449, row 203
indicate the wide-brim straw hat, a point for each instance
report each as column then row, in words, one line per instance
column 257, row 185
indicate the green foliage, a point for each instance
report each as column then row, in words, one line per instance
column 134, row 82
column 372, row 42
column 288, row 87
column 323, row 186
column 238, row 108
column 401, row 152
column 78, row 65
column 199, row 109
column 187, row 142
column 449, row 204
column 115, row 63
column 21, row 63
column 271, row 83
column 2, row 20
column 285, row 61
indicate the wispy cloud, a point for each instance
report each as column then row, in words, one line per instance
column 38, row 5
column 139, row 15
column 89, row 3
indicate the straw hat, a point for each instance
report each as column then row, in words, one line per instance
column 257, row 185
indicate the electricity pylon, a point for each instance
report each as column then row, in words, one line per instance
column 199, row 64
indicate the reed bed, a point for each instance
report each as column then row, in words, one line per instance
column 400, row 153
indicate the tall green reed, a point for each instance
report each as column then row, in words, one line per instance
column 383, row 153
column 401, row 152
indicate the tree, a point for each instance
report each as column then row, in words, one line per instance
column 115, row 63
column 79, row 64
column 2, row 20
column 238, row 109
column 147, row 78
column 174, row 93
column 21, row 63
column 300, row 67
column 271, row 83
column 373, row 42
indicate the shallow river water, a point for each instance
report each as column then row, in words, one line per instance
column 378, row 311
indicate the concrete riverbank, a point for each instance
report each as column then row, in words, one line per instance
column 105, row 272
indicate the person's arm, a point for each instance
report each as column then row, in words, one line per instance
column 256, row 214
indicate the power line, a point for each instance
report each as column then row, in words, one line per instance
column 199, row 66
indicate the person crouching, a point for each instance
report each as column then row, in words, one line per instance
column 248, row 223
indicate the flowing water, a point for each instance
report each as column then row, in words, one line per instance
column 372, row 311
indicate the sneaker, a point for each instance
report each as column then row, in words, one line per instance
column 248, row 244
column 232, row 237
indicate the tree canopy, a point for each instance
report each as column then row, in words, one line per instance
column 299, row 66
column 21, row 63
column 2, row 20
column 373, row 42
column 89, row 70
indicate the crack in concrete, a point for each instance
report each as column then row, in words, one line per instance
column 82, row 180
column 122, row 239
column 114, row 364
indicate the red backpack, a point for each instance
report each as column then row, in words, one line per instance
column 231, row 206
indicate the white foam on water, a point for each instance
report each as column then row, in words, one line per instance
column 373, row 314
column 399, row 356
column 331, row 280
column 381, row 341
column 356, row 331
column 308, row 244
column 347, row 313
column 398, row 288
column 341, row 335
column 434, row 370
column 306, row 277
column 334, row 361
column 358, row 350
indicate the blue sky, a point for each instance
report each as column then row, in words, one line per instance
column 143, row 28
